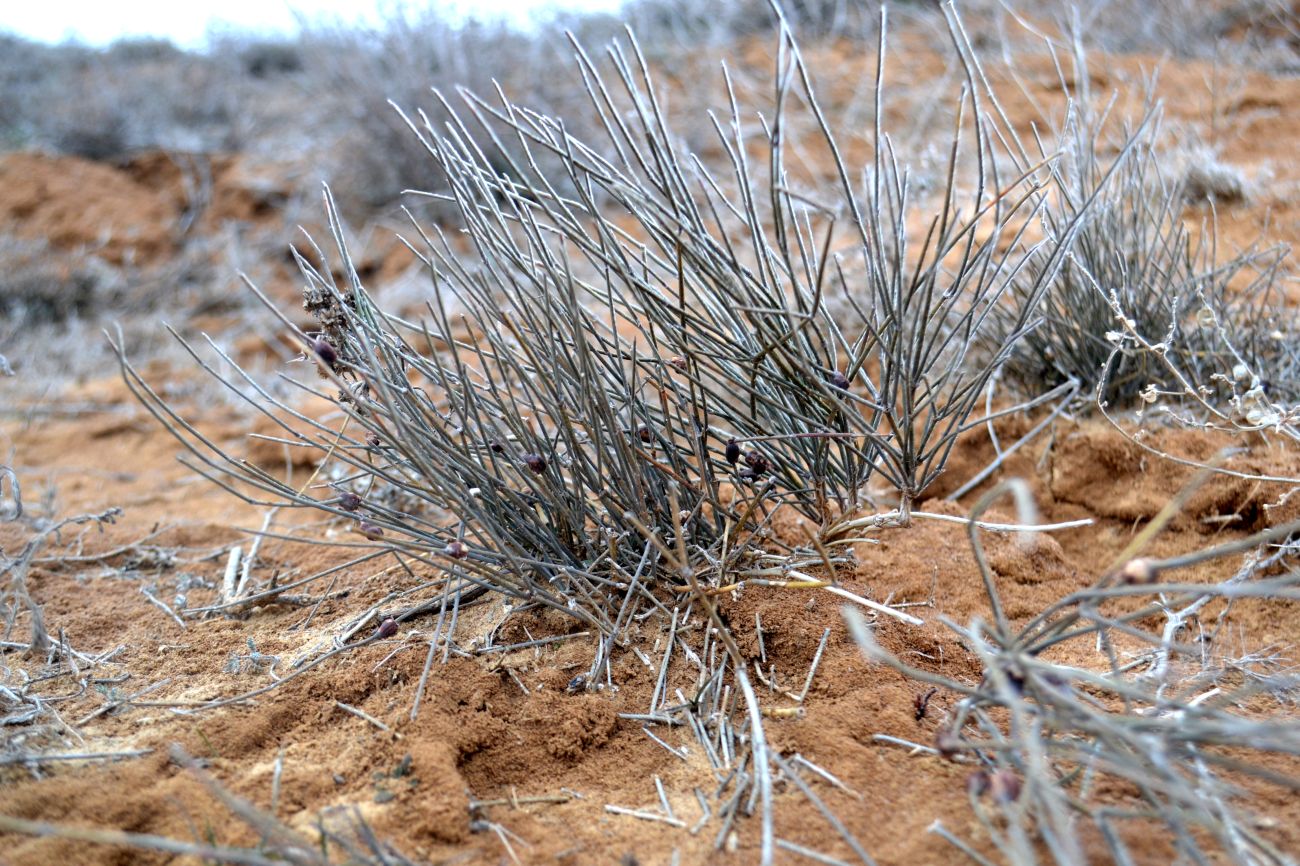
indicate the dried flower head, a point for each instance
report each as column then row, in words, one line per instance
column 535, row 462
column 732, row 452
column 349, row 501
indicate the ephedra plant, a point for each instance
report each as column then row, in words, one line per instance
column 649, row 347
column 1147, row 304
column 610, row 394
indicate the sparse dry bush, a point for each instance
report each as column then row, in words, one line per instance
column 55, row 303
column 40, row 285
column 1253, row 33
column 681, row 24
column 606, row 367
column 609, row 399
column 1144, row 306
column 268, row 58
column 106, row 104
column 1208, row 181
column 356, row 75
column 25, row 71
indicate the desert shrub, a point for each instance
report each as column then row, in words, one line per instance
column 55, row 304
column 143, row 49
column 587, row 372
column 682, row 24
column 1136, row 273
column 635, row 337
column 39, row 285
column 1254, row 33
column 26, row 69
column 1206, row 180
column 104, row 104
column 830, row 399
column 357, row 75
column 97, row 130
column 268, row 58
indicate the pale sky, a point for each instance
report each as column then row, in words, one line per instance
column 185, row 22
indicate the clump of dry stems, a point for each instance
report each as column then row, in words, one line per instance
column 1166, row 711
column 1144, row 308
column 634, row 366
column 647, row 355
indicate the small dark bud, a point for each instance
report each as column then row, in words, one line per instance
column 1015, row 678
column 977, row 783
column 387, row 628
column 535, row 462
column 373, row 440
column 732, row 452
column 349, row 501
column 369, row 530
column 644, row 434
column 456, row 550
column 1004, row 785
column 325, row 351
column 496, row 447
column 839, row 380
column 757, row 462
column 678, row 363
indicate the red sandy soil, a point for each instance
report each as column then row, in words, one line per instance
column 478, row 736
